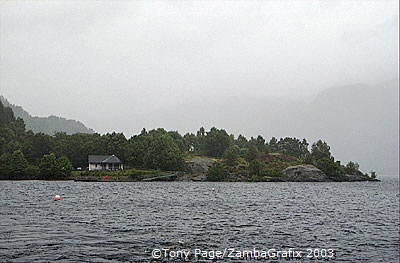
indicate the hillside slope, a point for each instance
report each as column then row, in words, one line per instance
column 48, row 125
column 360, row 122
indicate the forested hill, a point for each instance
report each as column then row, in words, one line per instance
column 26, row 155
column 48, row 125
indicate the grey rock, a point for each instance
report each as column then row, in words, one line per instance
column 304, row 173
column 359, row 176
column 198, row 165
column 196, row 169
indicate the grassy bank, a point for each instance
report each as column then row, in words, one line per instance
column 122, row 175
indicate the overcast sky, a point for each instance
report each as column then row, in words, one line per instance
column 102, row 61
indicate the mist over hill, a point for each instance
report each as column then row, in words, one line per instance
column 48, row 125
column 360, row 122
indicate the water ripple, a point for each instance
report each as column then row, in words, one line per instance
column 124, row 222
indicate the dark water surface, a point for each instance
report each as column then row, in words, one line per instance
column 125, row 222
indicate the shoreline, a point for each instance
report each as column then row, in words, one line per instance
column 187, row 181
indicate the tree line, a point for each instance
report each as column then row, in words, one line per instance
column 28, row 155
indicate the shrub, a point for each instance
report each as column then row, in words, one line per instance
column 53, row 168
column 351, row 168
column 12, row 166
column 216, row 172
column 330, row 168
column 252, row 153
column 32, row 172
column 256, row 167
column 272, row 173
column 231, row 155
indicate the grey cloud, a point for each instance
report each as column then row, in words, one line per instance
column 111, row 64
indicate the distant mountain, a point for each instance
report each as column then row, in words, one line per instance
column 48, row 125
column 360, row 122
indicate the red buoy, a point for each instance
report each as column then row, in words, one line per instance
column 57, row 198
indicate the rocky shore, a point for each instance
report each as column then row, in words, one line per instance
column 197, row 169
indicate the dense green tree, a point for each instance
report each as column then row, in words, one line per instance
column 22, row 151
column 12, row 166
column 12, row 146
column 6, row 115
column 256, row 167
column 37, row 145
column 137, row 148
column 331, row 168
column 241, row 141
column 252, row 153
column 79, row 146
column 231, row 155
column 157, row 132
column 52, row 167
column 71, row 146
column 215, row 142
column 115, row 143
column 273, row 144
column 320, row 150
column 178, row 140
column 163, row 154
column 351, row 168
column 190, row 142
column 48, row 166
column 5, row 163
column 18, row 164
column 292, row 146
column 201, row 132
column 19, row 127
column 32, row 172
column 258, row 142
column 64, row 167
column 8, row 139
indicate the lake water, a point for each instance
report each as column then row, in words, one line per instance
column 127, row 222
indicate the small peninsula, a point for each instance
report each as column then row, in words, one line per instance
column 160, row 155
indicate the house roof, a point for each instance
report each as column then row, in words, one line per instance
column 104, row 159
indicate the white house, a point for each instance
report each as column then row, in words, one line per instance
column 105, row 162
